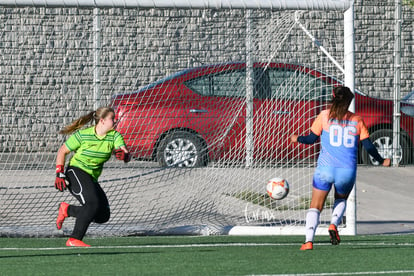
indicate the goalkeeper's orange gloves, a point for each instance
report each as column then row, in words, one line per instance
column 60, row 181
column 120, row 154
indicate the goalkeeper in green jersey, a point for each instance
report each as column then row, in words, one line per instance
column 93, row 146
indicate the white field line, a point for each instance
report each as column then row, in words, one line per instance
column 200, row 245
column 344, row 273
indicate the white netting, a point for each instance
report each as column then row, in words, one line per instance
column 198, row 117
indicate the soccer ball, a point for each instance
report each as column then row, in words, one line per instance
column 277, row 188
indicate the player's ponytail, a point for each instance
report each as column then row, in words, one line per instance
column 101, row 112
column 340, row 102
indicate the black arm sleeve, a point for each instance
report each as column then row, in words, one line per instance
column 309, row 139
column 372, row 150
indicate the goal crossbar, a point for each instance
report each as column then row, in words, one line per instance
column 213, row 4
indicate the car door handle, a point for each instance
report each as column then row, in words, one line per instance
column 281, row 112
column 198, row 111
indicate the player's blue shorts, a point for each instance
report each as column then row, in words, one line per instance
column 342, row 178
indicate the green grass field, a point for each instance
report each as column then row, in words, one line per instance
column 211, row 255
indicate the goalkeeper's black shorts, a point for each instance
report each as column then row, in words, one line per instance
column 95, row 206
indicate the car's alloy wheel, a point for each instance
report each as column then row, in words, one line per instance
column 383, row 140
column 181, row 149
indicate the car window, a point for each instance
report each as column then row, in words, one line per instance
column 229, row 84
column 297, row 85
column 409, row 98
column 201, row 85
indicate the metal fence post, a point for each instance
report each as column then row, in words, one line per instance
column 249, row 91
column 397, row 86
column 97, row 57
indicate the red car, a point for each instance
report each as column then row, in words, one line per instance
column 199, row 114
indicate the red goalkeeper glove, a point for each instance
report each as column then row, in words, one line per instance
column 120, row 154
column 60, row 182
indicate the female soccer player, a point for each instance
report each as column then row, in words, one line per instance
column 93, row 146
column 340, row 131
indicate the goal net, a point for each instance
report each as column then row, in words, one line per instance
column 206, row 100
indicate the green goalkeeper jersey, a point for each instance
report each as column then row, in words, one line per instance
column 92, row 151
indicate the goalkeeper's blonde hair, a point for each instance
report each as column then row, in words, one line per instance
column 96, row 115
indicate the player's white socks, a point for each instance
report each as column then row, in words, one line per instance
column 338, row 211
column 312, row 221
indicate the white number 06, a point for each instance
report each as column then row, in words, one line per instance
column 339, row 136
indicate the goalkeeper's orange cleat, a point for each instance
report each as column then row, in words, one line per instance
column 63, row 213
column 333, row 233
column 76, row 243
column 307, row 246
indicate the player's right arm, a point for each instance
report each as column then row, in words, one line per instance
column 60, row 181
column 314, row 134
column 61, row 155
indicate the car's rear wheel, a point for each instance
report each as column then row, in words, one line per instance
column 382, row 140
column 181, row 149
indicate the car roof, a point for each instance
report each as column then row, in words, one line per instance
column 183, row 72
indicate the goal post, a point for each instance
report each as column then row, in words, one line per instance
column 349, row 80
column 224, row 82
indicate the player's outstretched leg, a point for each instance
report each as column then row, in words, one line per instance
column 76, row 243
column 63, row 213
column 333, row 233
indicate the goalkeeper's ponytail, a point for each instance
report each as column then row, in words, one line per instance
column 100, row 113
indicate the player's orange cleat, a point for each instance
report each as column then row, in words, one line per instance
column 63, row 213
column 333, row 233
column 307, row 246
column 76, row 243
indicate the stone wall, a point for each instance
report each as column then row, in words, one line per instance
column 47, row 57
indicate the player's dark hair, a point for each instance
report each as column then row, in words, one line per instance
column 100, row 113
column 342, row 98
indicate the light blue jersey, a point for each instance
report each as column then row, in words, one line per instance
column 337, row 160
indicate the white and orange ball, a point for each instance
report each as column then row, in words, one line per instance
column 277, row 188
